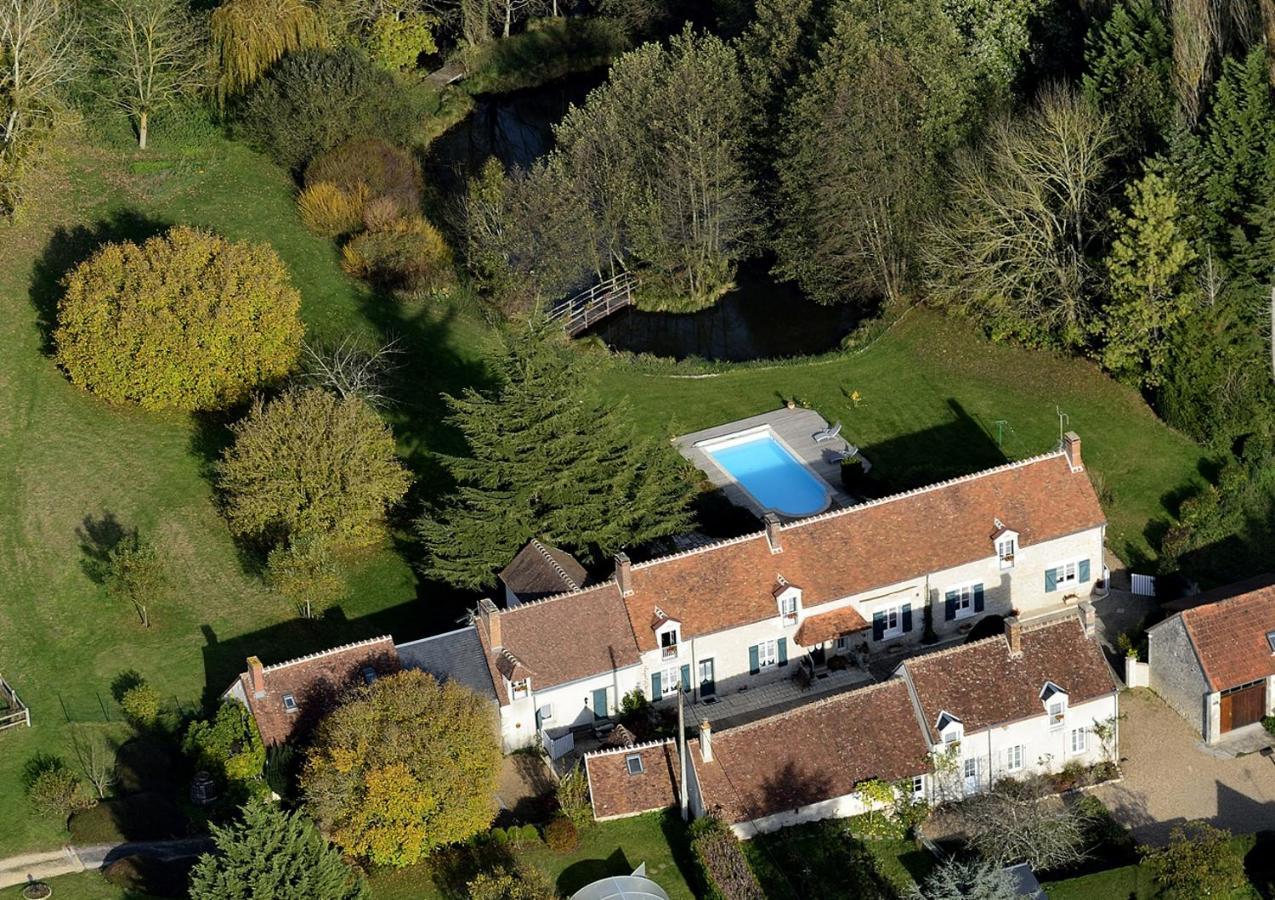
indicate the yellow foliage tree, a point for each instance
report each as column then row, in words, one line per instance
column 249, row 36
column 187, row 320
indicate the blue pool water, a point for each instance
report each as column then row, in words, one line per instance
column 776, row 479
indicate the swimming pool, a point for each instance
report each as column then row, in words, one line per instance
column 766, row 469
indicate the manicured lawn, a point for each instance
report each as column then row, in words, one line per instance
column 825, row 859
column 608, row 848
column 84, row 886
column 932, row 392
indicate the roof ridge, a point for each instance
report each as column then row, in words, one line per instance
column 340, row 648
column 611, row 751
column 806, row 707
column 557, row 566
column 434, row 637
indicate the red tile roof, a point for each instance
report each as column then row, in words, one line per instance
column 559, row 640
column 815, row 752
column 831, row 556
column 540, row 570
column 1230, row 638
column 828, row 626
column 315, row 682
column 982, row 685
column 616, row 793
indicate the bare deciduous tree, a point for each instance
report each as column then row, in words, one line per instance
column 96, row 758
column 1017, row 821
column 1196, row 31
column 1015, row 248
column 353, row 368
column 37, row 59
column 153, row 53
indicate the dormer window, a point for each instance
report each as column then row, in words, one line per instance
column 520, row 689
column 951, row 730
column 788, row 599
column 668, row 643
column 1055, row 700
column 290, row 703
column 1005, row 551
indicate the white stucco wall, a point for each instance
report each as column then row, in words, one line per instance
column 572, row 705
column 842, row 807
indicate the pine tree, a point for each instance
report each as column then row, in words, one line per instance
column 1129, row 72
column 271, row 853
column 546, row 460
column 1148, row 268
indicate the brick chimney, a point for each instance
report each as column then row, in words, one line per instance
column 1071, row 446
column 1087, row 618
column 256, row 677
column 772, row 533
column 706, row 740
column 624, row 574
column 490, row 615
column 1014, row 635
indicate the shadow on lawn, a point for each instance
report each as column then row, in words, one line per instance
column 71, row 246
column 957, row 447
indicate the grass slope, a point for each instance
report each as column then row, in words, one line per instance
column 931, row 393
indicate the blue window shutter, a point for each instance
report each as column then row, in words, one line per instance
column 1082, row 569
column 754, row 660
column 949, row 610
column 1051, row 580
column 878, row 626
column 781, row 648
column 978, row 598
column 907, row 616
column 656, row 692
column 686, row 678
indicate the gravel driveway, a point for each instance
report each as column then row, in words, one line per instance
column 1169, row 777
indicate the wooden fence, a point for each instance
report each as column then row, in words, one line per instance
column 13, row 712
column 592, row 306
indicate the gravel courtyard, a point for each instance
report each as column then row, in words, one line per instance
column 1169, row 777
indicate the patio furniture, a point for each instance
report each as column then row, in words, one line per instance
column 827, row 434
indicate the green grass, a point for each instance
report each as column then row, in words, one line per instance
column 549, row 49
column 73, row 468
column 607, row 848
column 84, row 886
column 932, row 391
column 811, row 860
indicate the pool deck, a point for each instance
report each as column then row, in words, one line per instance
column 796, row 428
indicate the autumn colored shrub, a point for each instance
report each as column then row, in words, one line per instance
column 726, row 872
column 141, row 704
column 382, row 168
column 410, row 254
column 187, row 320
column 329, row 211
column 561, row 834
column 381, row 213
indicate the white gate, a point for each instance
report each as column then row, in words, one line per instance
column 1144, row 585
column 558, row 742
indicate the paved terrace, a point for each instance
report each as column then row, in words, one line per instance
column 796, row 428
column 734, row 708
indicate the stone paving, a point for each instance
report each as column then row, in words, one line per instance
column 740, row 707
column 1170, row 777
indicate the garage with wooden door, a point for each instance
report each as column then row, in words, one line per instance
column 1243, row 705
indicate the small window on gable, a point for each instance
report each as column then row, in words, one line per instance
column 1006, row 546
column 950, row 729
column 1055, row 700
column 633, row 763
column 289, row 703
column 519, row 689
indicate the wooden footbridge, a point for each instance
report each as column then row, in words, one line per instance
column 589, row 307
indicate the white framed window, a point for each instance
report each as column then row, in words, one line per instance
column 546, row 712
column 633, row 763
column 1057, row 713
column 1014, row 758
column 1005, row 548
column 971, row 767
column 1065, row 574
column 670, row 680
column 893, row 621
column 788, row 608
column 290, row 703
column 918, row 787
column 1079, row 740
column 520, row 689
column 767, row 654
column 843, row 643
column 964, row 597
column 668, row 644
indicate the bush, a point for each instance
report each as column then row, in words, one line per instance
column 53, row 789
column 186, row 320
column 561, row 834
column 1199, row 861
column 410, row 254
column 228, row 745
column 141, row 705
column 396, row 43
column 1268, row 722
column 573, row 798
column 726, row 873
column 309, row 465
column 521, row 882
column 382, row 168
column 314, row 100
column 330, row 212
column 306, row 574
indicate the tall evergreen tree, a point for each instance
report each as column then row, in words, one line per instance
column 1149, row 275
column 1129, row 73
column 271, row 853
column 549, row 461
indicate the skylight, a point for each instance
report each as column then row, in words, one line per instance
column 1270, row 640
column 634, row 764
column 289, row 703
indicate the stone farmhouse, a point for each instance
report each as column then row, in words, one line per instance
column 870, row 581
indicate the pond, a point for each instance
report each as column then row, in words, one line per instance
column 760, row 319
